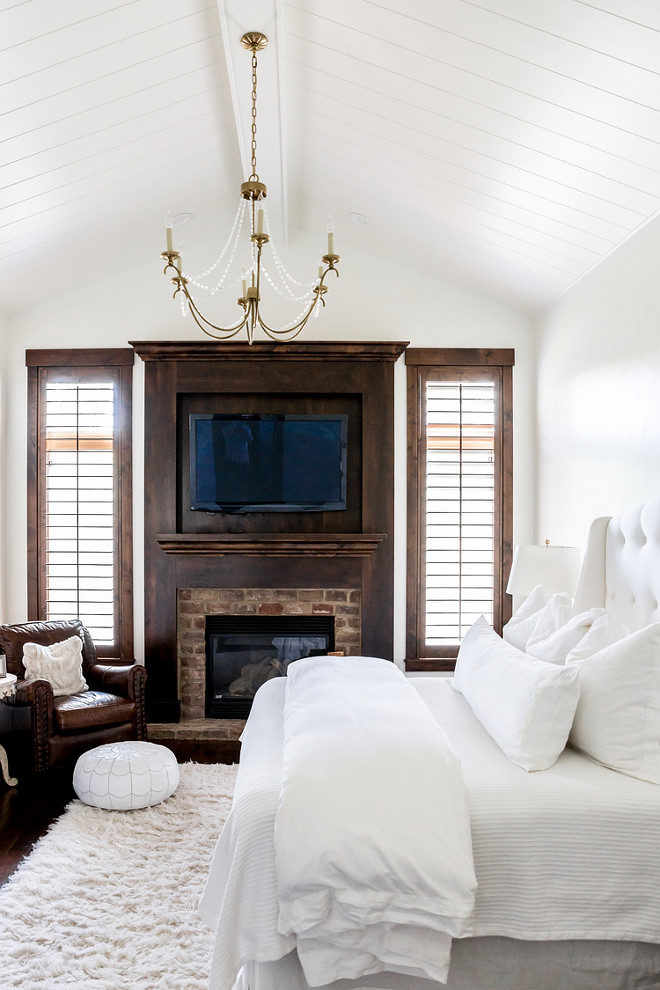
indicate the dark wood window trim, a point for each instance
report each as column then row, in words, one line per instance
column 465, row 362
column 78, row 365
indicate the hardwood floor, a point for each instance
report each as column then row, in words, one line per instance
column 26, row 811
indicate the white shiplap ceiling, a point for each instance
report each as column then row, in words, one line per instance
column 506, row 145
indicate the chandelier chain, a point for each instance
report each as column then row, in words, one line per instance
column 253, row 144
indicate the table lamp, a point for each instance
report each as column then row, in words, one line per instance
column 555, row 568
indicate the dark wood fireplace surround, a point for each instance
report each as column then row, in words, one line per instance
column 351, row 549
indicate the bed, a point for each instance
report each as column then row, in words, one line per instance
column 565, row 850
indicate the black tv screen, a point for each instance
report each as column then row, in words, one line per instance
column 267, row 463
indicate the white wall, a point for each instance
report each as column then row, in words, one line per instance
column 598, row 434
column 371, row 300
column 4, row 463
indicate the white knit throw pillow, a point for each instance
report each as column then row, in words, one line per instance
column 59, row 663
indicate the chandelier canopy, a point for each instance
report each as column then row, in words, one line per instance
column 252, row 213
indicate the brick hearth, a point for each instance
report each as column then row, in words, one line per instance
column 204, row 740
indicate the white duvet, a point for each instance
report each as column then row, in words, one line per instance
column 367, row 861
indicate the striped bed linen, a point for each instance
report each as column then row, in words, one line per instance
column 572, row 852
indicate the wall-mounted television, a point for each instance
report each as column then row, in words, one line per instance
column 267, row 463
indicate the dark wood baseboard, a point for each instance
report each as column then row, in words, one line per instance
column 205, row 750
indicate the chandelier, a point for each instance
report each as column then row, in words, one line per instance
column 252, row 213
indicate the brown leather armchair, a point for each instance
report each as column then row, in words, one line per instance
column 62, row 728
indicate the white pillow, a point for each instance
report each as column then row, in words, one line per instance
column 526, row 705
column 535, row 601
column 556, row 647
column 606, row 629
column 551, row 618
column 59, row 663
column 519, row 627
column 617, row 722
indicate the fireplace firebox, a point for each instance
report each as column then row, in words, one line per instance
column 245, row 651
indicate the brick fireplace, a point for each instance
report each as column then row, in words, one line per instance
column 296, row 562
column 195, row 604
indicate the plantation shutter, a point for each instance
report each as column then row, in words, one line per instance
column 459, row 498
column 79, row 492
column 460, row 508
column 81, row 533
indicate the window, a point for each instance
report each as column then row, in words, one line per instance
column 79, row 492
column 459, row 498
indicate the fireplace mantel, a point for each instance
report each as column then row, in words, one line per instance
column 271, row 544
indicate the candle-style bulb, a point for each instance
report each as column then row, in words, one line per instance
column 168, row 231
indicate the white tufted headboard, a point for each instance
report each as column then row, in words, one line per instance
column 621, row 568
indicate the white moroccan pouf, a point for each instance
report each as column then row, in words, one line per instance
column 124, row 776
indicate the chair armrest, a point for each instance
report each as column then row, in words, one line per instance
column 37, row 693
column 126, row 680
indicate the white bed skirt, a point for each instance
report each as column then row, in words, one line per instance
column 496, row 963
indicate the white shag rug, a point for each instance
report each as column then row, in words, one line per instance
column 108, row 900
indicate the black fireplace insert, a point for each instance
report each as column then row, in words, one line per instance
column 245, row 651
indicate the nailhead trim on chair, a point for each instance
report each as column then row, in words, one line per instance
column 140, row 677
column 40, row 717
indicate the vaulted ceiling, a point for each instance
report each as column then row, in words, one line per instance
column 505, row 145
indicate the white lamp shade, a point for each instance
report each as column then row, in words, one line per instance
column 555, row 568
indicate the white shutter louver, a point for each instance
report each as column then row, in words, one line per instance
column 460, row 507
column 80, row 496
